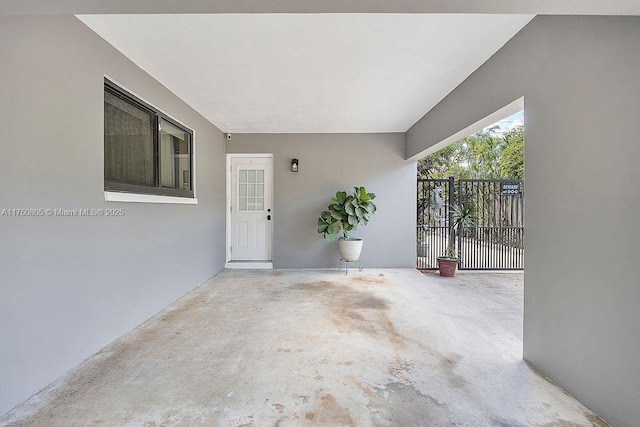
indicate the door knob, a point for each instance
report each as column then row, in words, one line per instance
column 268, row 217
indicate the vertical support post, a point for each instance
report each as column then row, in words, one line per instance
column 452, row 202
column 459, row 253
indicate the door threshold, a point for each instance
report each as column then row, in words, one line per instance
column 249, row 265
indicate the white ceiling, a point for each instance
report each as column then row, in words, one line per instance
column 545, row 7
column 307, row 73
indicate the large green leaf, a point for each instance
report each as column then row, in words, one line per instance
column 362, row 194
column 353, row 220
column 324, row 216
column 359, row 212
column 341, row 196
column 336, row 214
column 349, row 209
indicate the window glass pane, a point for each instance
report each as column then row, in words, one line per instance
column 243, row 177
column 128, row 142
column 252, row 189
column 259, row 204
column 243, row 204
column 260, row 190
column 174, row 157
column 243, row 190
column 251, row 177
column 260, row 177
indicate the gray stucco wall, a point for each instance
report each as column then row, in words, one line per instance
column 71, row 285
column 580, row 77
column 329, row 163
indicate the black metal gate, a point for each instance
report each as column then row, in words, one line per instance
column 433, row 220
column 496, row 242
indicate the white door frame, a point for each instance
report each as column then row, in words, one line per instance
column 229, row 176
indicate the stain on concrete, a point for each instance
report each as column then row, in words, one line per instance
column 369, row 280
column 401, row 370
column 279, row 407
column 403, row 404
column 352, row 310
column 592, row 420
column 366, row 390
column 360, row 310
column 447, row 367
column 324, row 409
column 304, row 398
column 595, row 420
column 501, row 422
column 183, row 309
column 332, row 412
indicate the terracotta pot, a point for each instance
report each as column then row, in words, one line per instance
column 350, row 249
column 447, row 266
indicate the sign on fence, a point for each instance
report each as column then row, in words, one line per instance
column 510, row 188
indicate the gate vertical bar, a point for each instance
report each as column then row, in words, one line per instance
column 460, row 231
column 419, row 221
column 452, row 202
column 431, row 225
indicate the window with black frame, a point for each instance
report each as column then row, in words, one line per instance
column 145, row 151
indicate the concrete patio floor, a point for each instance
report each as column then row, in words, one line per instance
column 389, row 347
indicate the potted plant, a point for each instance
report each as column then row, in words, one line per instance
column 345, row 214
column 462, row 216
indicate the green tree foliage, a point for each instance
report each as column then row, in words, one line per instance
column 512, row 159
column 483, row 155
column 443, row 163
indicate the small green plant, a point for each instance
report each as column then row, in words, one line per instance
column 462, row 216
column 346, row 213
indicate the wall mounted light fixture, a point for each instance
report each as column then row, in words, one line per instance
column 294, row 165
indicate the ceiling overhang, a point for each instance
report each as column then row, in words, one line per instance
column 309, row 73
column 547, row 7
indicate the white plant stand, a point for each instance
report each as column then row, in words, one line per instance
column 346, row 265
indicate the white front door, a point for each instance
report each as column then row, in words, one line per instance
column 251, row 208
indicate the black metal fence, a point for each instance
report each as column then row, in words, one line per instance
column 433, row 221
column 496, row 242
